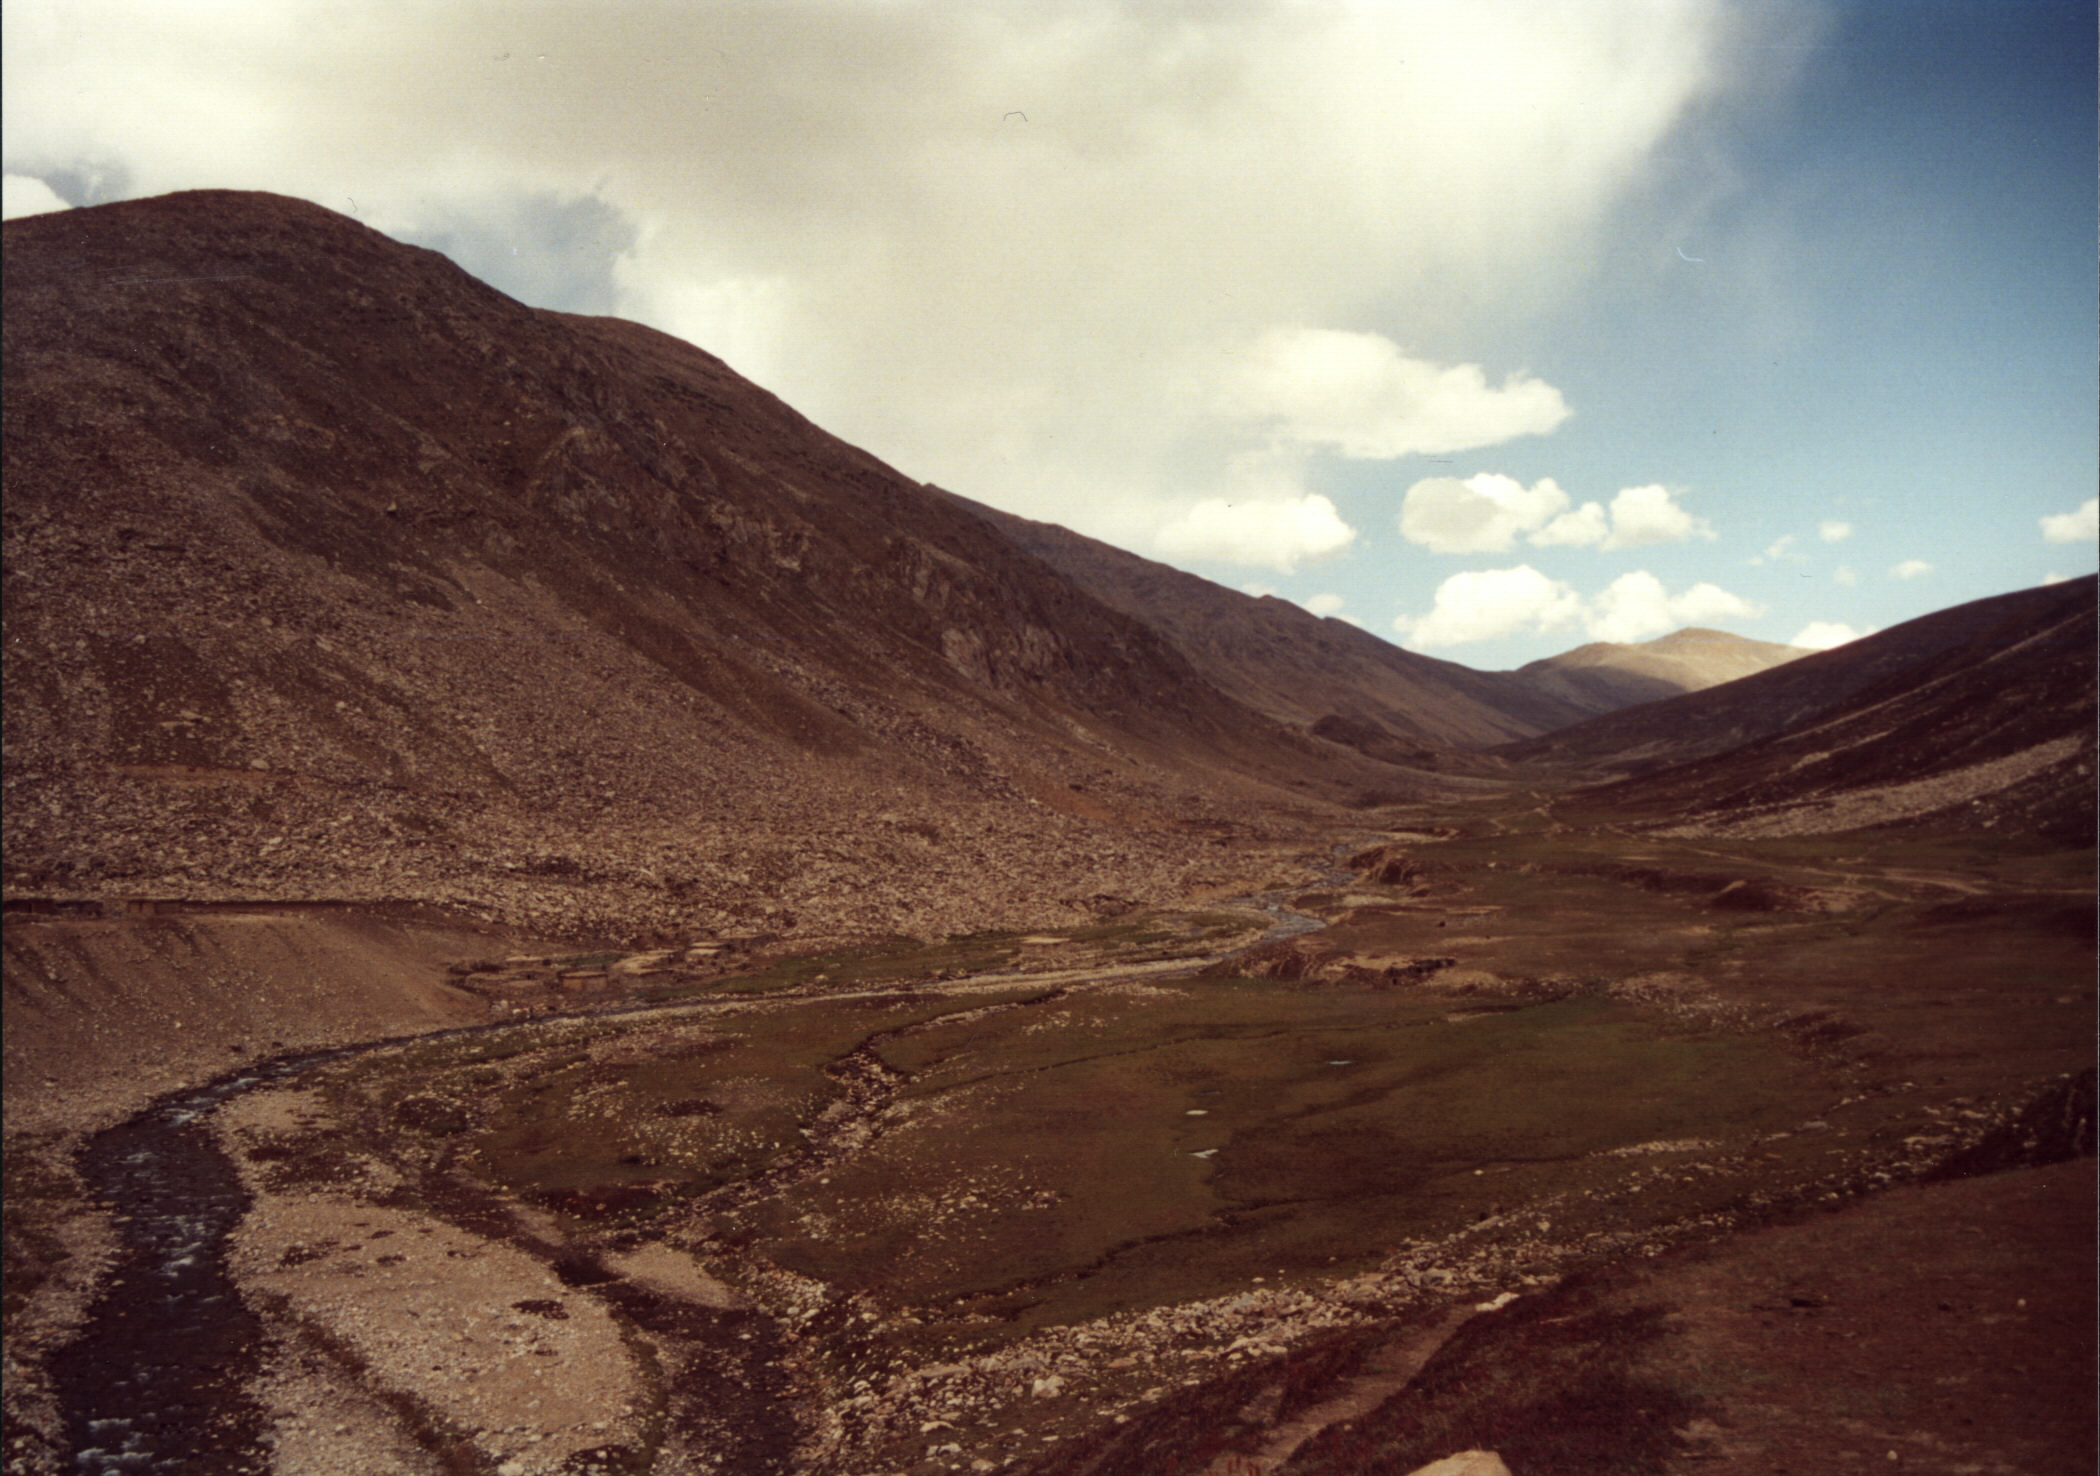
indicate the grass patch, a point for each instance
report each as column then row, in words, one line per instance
column 1075, row 1156
column 893, row 960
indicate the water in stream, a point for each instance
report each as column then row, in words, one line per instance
column 157, row 1381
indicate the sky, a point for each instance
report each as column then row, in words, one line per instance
column 1494, row 326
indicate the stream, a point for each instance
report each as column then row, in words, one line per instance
column 158, row 1380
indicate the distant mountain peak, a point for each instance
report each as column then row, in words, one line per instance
column 1604, row 676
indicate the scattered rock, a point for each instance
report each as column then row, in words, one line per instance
column 1465, row 1463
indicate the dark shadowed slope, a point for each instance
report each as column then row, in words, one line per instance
column 1696, row 724
column 1995, row 732
column 1605, row 676
column 331, row 571
column 1295, row 666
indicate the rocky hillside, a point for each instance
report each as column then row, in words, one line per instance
column 1698, row 724
column 1993, row 732
column 1605, row 676
column 1319, row 674
column 332, row 572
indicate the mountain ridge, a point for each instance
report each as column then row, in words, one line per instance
column 332, row 570
column 1701, row 724
column 1984, row 719
column 1605, row 676
column 1290, row 663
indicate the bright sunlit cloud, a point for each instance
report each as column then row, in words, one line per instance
column 1635, row 606
column 1644, row 515
column 1487, row 604
column 1490, row 604
column 1910, row 569
column 22, row 195
column 1278, row 534
column 2080, row 526
column 1833, row 531
column 1486, row 513
column 1357, row 395
column 1821, row 635
column 1481, row 514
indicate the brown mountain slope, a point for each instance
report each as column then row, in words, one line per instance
column 333, row 572
column 1605, row 676
column 1639, row 739
column 1295, row 666
column 1996, row 732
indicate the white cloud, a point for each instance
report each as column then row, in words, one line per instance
column 1910, row 569
column 1481, row 514
column 22, row 194
column 2052, row 577
column 1484, row 604
column 1781, row 547
column 1486, row 513
column 2081, row 526
column 1833, row 531
column 1645, row 515
column 1357, row 394
column 1491, row 603
column 1583, row 527
column 1326, row 604
column 1635, row 606
column 1821, row 635
column 1271, row 533
column 1844, row 574
column 1011, row 249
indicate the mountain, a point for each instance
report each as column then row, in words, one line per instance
column 1987, row 721
column 1696, row 724
column 1605, row 676
column 333, row 572
column 1324, row 675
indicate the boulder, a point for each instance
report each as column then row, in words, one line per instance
column 1465, row 1463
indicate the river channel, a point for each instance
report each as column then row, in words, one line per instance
column 158, row 1381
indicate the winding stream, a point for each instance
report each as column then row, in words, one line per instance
column 158, row 1380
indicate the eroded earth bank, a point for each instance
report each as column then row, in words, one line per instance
column 1603, row 1153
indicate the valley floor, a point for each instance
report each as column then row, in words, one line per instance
column 1606, row 1152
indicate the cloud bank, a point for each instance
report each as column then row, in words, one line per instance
column 1275, row 533
column 1013, row 249
column 1358, row 395
column 1488, row 512
column 1490, row 604
column 2081, row 526
column 1821, row 635
column 21, row 195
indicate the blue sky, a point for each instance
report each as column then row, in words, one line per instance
column 1496, row 326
